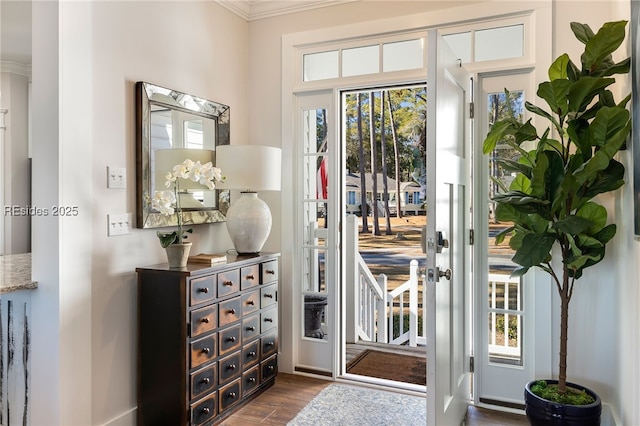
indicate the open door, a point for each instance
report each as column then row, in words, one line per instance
column 447, row 248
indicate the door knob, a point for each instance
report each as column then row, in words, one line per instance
column 446, row 274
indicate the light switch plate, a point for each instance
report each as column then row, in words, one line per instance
column 118, row 224
column 116, row 177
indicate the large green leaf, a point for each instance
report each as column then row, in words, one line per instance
column 573, row 225
column 583, row 32
column 607, row 122
column 558, row 69
column 594, row 213
column 555, row 94
column 498, row 131
column 602, row 157
column 599, row 47
column 534, row 250
column 607, row 180
column 584, row 90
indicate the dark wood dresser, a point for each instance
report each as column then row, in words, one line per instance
column 207, row 338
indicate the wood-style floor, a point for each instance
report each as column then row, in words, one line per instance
column 280, row 404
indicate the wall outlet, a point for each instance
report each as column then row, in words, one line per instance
column 118, row 224
column 116, row 177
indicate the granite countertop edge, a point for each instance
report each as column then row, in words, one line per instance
column 15, row 273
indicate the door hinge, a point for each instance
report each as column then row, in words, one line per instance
column 471, row 237
column 471, row 109
column 471, row 364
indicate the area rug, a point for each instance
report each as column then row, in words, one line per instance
column 359, row 406
column 390, row 366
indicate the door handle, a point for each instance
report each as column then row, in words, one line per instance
column 442, row 242
column 446, row 274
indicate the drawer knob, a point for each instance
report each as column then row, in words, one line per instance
column 206, row 380
column 203, row 290
column 232, row 395
column 268, row 319
column 270, row 367
column 205, row 320
column 206, row 410
column 231, row 311
column 231, row 339
column 271, row 344
column 250, row 277
column 231, row 366
column 252, row 379
column 227, row 283
column 252, row 354
column 270, row 272
column 269, row 295
column 252, row 328
column 251, row 302
column 206, row 350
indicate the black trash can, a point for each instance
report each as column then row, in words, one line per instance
column 313, row 313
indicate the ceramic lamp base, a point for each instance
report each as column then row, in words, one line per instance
column 248, row 223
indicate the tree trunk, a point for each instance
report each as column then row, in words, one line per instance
column 383, row 154
column 361, row 168
column 564, row 326
column 395, row 157
column 374, row 164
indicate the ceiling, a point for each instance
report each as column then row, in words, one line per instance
column 258, row 9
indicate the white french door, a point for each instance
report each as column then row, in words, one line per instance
column 447, row 248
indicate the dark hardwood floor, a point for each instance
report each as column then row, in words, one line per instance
column 280, row 404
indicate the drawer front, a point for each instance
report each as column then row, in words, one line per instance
column 202, row 381
column 249, row 276
column 269, row 319
column 229, row 395
column 250, row 380
column 250, row 327
column 203, row 350
column 204, row 409
column 269, row 272
column 251, row 353
column 228, row 282
column 229, row 311
column 204, row 320
column 268, row 295
column 229, row 367
column 268, row 368
column 202, row 290
column 269, row 344
column 250, row 302
column 229, row 339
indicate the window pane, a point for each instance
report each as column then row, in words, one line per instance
column 461, row 45
column 320, row 66
column 360, row 60
column 403, row 55
column 499, row 43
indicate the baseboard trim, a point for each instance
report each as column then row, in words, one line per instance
column 128, row 418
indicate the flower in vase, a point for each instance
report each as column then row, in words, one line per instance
column 167, row 202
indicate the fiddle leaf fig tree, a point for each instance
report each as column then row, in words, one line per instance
column 550, row 205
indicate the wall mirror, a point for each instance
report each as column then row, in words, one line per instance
column 169, row 122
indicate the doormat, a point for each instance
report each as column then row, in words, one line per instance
column 390, row 366
column 355, row 405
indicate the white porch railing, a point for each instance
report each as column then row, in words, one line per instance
column 370, row 307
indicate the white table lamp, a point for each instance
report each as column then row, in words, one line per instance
column 250, row 169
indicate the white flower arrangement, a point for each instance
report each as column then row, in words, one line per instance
column 167, row 202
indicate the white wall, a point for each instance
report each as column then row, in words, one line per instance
column 85, row 331
column 604, row 317
column 14, row 89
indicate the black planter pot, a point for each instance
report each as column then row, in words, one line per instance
column 313, row 312
column 541, row 412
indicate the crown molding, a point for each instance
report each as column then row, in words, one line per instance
column 250, row 10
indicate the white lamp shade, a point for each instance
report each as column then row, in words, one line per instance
column 249, row 167
column 166, row 159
